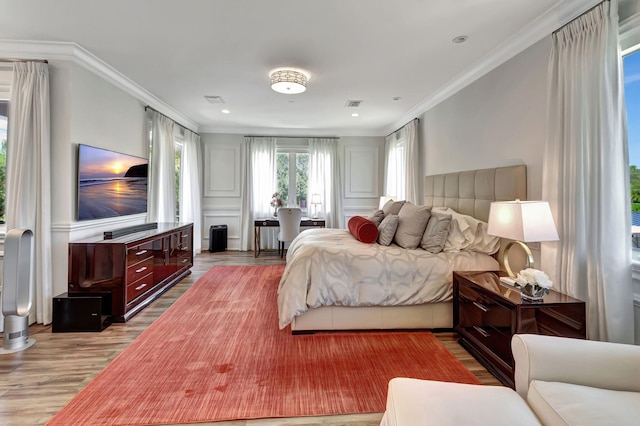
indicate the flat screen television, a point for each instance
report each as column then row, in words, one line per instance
column 110, row 184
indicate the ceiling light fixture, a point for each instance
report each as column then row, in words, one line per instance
column 289, row 81
column 225, row 111
column 355, row 114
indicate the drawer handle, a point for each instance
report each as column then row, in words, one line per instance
column 481, row 307
column 141, row 252
column 481, row 331
column 140, row 287
column 144, row 268
column 185, row 260
column 185, row 236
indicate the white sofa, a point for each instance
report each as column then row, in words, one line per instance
column 559, row 381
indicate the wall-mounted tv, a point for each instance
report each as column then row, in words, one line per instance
column 110, row 184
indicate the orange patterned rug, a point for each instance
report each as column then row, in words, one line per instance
column 217, row 354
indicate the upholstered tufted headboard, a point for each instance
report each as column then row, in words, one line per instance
column 471, row 192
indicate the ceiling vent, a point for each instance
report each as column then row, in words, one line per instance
column 353, row 104
column 214, row 99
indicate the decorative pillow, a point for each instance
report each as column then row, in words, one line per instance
column 469, row 233
column 377, row 217
column 437, row 231
column 412, row 221
column 363, row 229
column 387, row 229
column 392, row 207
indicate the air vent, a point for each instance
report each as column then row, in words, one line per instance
column 214, row 99
column 353, row 104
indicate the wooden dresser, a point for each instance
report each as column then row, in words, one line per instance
column 135, row 268
column 487, row 313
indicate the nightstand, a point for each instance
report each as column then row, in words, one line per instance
column 487, row 313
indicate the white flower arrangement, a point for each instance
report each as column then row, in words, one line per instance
column 533, row 281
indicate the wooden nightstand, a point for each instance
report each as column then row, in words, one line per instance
column 487, row 313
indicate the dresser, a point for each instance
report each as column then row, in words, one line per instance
column 135, row 268
column 487, row 313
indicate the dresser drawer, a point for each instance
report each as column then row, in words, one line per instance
column 139, row 287
column 139, row 253
column 139, row 270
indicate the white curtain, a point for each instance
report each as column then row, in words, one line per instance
column 28, row 179
column 586, row 173
column 402, row 174
column 190, row 202
column 162, row 184
column 324, row 179
column 259, row 183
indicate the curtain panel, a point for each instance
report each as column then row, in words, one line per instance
column 586, row 173
column 28, row 178
column 324, row 179
column 258, row 184
column 190, row 196
column 162, row 184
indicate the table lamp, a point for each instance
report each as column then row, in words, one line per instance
column 315, row 202
column 523, row 222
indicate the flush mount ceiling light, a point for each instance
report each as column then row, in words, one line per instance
column 289, row 81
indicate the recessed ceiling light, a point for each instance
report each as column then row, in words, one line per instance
column 225, row 111
column 355, row 114
column 460, row 39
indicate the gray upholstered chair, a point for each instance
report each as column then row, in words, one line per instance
column 289, row 219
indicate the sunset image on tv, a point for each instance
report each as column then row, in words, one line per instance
column 110, row 183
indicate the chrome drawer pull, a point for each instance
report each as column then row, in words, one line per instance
column 141, row 269
column 481, row 331
column 185, row 260
column 141, row 252
column 185, row 236
column 481, row 307
column 140, row 287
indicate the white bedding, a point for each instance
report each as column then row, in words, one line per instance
column 330, row 267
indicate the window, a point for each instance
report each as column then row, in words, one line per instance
column 292, row 186
column 178, row 164
column 631, row 69
column 396, row 169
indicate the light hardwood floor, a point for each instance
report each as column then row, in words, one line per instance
column 36, row 383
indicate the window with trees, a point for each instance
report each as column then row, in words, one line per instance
column 292, row 177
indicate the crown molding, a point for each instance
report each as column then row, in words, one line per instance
column 543, row 26
column 66, row 51
column 292, row 132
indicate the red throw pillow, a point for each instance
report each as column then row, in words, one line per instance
column 363, row 229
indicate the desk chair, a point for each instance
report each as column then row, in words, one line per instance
column 289, row 219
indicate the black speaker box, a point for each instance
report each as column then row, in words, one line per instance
column 218, row 238
column 74, row 312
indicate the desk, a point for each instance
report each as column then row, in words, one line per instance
column 258, row 224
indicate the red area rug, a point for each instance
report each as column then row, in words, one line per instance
column 217, row 354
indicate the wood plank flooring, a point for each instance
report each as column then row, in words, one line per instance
column 36, row 383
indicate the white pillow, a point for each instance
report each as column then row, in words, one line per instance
column 469, row 233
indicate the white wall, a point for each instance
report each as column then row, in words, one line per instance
column 85, row 109
column 361, row 160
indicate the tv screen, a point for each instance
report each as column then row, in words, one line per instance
column 110, row 184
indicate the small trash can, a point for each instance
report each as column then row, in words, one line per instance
column 217, row 238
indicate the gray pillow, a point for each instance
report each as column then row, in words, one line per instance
column 387, row 229
column 377, row 217
column 412, row 221
column 437, row 231
column 392, row 207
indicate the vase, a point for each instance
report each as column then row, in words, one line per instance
column 532, row 294
column 275, row 212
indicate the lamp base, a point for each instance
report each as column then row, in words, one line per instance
column 505, row 256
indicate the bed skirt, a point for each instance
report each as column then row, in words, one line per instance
column 428, row 315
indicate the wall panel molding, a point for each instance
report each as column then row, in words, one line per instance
column 222, row 170
column 361, row 171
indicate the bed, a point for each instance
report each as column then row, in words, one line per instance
column 334, row 282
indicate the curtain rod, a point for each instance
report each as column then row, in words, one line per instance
column 292, row 137
column 175, row 122
column 44, row 61
column 581, row 15
column 415, row 119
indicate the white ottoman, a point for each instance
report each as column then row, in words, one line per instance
column 413, row 402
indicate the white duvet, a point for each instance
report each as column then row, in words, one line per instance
column 330, row 267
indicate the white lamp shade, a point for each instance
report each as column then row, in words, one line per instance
column 315, row 199
column 526, row 221
column 384, row 199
